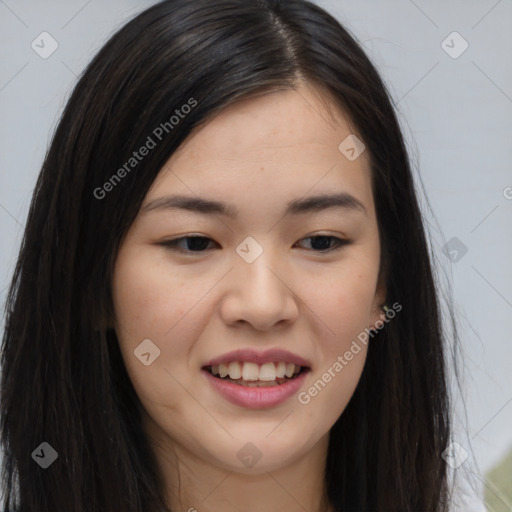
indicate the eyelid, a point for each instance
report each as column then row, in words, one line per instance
column 172, row 244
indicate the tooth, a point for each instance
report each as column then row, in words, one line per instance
column 235, row 370
column 250, row 371
column 223, row 370
column 281, row 370
column 268, row 372
column 289, row 369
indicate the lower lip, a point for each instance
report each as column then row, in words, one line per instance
column 256, row 398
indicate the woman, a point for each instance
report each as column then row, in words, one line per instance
column 133, row 349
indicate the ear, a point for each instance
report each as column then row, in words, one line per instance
column 378, row 302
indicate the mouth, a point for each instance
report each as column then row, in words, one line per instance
column 254, row 375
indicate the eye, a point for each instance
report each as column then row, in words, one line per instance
column 322, row 242
column 195, row 243
column 199, row 244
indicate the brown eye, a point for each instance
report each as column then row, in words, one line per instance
column 192, row 243
column 322, row 243
column 199, row 244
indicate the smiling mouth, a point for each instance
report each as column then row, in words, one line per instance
column 255, row 376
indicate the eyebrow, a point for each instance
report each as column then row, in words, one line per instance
column 301, row 206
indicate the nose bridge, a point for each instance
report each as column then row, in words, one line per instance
column 255, row 270
column 258, row 293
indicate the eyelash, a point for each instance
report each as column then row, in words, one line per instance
column 173, row 244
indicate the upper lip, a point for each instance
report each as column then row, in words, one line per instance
column 254, row 356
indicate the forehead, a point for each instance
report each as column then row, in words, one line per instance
column 276, row 146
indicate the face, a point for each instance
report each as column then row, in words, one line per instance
column 272, row 271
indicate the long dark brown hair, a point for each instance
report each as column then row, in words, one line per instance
column 63, row 380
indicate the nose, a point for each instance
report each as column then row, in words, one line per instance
column 259, row 294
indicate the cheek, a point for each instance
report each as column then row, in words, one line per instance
column 148, row 299
column 153, row 301
column 149, row 304
column 354, row 300
column 342, row 300
column 344, row 307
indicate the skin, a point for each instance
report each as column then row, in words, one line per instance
column 257, row 154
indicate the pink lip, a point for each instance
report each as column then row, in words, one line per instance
column 256, row 398
column 253, row 356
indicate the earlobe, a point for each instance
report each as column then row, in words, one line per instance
column 379, row 303
column 378, row 316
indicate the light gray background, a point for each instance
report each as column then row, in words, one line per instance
column 456, row 115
